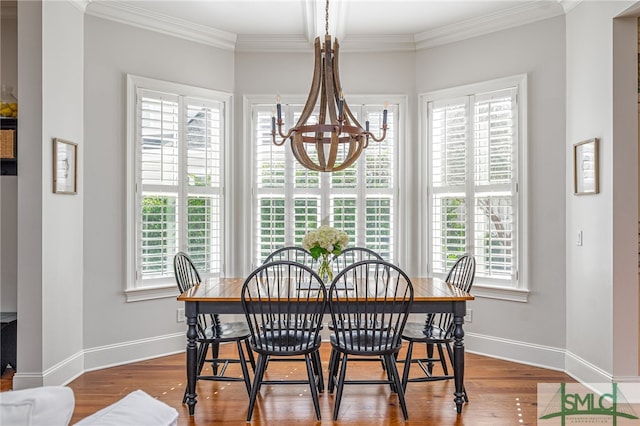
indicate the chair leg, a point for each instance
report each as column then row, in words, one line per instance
column 343, row 371
column 257, row 381
column 392, row 385
column 407, row 366
column 243, row 365
column 215, row 350
column 203, row 348
column 443, row 361
column 317, row 367
column 391, row 365
column 430, row 356
column 309, row 361
column 250, row 355
column 383, row 364
column 332, row 370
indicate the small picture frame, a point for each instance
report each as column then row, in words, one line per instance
column 65, row 167
column 585, row 167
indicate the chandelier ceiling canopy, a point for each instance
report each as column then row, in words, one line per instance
column 336, row 139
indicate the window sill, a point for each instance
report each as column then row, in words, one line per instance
column 150, row 293
column 501, row 293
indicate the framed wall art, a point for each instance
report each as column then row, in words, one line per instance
column 65, row 167
column 585, row 167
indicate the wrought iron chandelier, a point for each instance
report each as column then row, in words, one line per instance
column 337, row 136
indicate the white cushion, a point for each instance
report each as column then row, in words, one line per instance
column 136, row 409
column 42, row 406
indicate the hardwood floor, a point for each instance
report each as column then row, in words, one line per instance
column 500, row 393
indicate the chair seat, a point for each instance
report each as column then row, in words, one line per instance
column 227, row 332
column 366, row 342
column 286, row 342
column 421, row 332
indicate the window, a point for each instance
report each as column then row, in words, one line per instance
column 177, row 136
column 475, row 142
column 290, row 200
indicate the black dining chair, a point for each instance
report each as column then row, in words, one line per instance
column 284, row 302
column 292, row 253
column 299, row 255
column 437, row 330
column 349, row 256
column 212, row 332
column 369, row 303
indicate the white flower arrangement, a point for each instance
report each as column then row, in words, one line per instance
column 325, row 241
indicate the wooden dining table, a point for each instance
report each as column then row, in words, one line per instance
column 222, row 296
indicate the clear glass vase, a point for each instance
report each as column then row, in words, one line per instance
column 324, row 270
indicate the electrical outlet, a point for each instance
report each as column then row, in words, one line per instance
column 180, row 315
column 468, row 317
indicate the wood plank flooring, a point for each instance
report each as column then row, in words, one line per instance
column 500, row 393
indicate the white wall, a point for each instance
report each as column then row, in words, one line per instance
column 62, row 215
column 50, row 65
column 532, row 331
column 114, row 330
column 602, row 274
column 30, row 187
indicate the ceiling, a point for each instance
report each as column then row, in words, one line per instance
column 291, row 25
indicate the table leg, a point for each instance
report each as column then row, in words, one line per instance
column 192, row 355
column 458, row 356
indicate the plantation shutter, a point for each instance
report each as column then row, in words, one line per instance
column 204, row 135
column 449, row 139
column 159, row 181
column 179, row 183
column 494, row 154
column 473, row 152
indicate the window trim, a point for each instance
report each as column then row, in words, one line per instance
column 521, row 291
column 133, row 291
column 401, row 215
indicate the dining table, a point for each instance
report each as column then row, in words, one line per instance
column 218, row 295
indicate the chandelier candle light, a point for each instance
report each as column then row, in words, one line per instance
column 337, row 136
column 324, row 242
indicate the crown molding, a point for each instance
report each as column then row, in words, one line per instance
column 567, row 5
column 378, row 43
column 519, row 15
column 273, row 43
column 81, row 5
column 123, row 12
column 299, row 44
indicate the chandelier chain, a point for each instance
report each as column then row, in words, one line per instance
column 326, row 18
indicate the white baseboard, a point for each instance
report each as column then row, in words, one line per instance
column 139, row 350
column 516, row 351
column 102, row 357
column 133, row 351
column 584, row 371
column 541, row 356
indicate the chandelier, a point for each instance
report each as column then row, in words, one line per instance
column 337, row 136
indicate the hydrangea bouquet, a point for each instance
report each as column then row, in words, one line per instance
column 324, row 242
